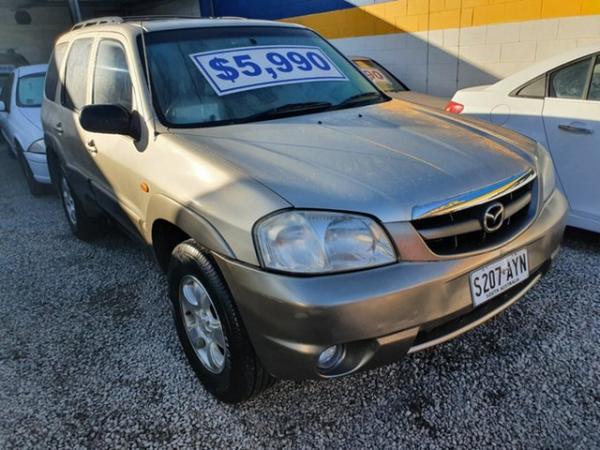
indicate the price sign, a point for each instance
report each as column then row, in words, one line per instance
column 243, row 69
column 375, row 75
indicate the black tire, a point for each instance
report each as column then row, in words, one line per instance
column 242, row 375
column 83, row 226
column 35, row 187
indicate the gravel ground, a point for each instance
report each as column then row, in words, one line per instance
column 89, row 358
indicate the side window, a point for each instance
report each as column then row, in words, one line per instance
column 534, row 89
column 74, row 92
column 112, row 82
column 595, row 85
column 52, row 75
column 570, row 81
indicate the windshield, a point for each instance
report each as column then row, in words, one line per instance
column 380, row 76
column 225, row 75
column 30, row 90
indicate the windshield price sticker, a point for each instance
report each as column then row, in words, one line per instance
column 244, row 69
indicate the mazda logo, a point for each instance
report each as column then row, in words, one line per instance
column 493, row 218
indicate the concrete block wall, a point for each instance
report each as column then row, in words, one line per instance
column 441, row 61
column 438, row 46
column 34, row 41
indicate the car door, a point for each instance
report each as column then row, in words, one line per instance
column 572, row 122
column 74, row 94
column 51, row 107
column 116, row 158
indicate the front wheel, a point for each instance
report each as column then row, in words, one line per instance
column 210, row 328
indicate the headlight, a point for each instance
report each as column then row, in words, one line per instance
column 319, row 242
column 546, row 170
column 37, row 147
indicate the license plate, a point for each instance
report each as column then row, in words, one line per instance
column 495, row 278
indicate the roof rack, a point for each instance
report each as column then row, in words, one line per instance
column 117, row 19
column 97, row 21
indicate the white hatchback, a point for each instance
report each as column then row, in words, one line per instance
column 557, row 103
column 20, row 123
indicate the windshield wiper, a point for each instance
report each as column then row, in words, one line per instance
column 358, row 99
column 285, row 110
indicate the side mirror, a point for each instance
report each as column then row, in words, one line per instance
column 2, row 106
column 110, row 119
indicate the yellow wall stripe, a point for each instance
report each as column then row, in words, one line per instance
column 408, row 16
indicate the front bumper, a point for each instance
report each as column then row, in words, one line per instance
column 379, row 314
column 39, row 166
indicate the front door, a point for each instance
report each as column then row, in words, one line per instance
column 116, row 158
column 572, row 121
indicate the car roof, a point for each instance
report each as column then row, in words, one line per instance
column 28, row 70
column 518, row 79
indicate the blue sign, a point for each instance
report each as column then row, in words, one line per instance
column 244, row 69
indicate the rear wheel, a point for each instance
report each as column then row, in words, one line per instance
column 210, row 328
column 82, row 225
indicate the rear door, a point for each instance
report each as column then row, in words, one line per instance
column 74, row 96
column 572, row 122
column 51, row 107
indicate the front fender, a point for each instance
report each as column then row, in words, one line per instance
column 161, row 207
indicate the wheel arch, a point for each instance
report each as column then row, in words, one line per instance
column 170, row 223
column 53, row 161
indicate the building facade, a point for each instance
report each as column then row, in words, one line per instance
column 434, row 46
column 438, row 46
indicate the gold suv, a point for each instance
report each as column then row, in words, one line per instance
column 310, row 225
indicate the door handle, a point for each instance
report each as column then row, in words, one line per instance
column 91, row 145
column 575, row 129
column 58, row 128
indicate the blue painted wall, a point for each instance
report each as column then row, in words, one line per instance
column 276, row 9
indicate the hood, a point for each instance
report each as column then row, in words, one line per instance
column 382, row 160
column 421, row 99
column 33, row 116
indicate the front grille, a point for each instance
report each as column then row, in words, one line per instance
column 462, row 231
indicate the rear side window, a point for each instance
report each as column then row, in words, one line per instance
column 570, row 81
column 112, row 82
column 595, row 86
column 74, row 93
column 534, row 89
column 53, row 71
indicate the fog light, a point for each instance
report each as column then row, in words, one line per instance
column 331, row 357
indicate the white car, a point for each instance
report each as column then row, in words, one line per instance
column 557, row 103
column 20, row 123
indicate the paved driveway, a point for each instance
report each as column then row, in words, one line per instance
column 89, row 358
